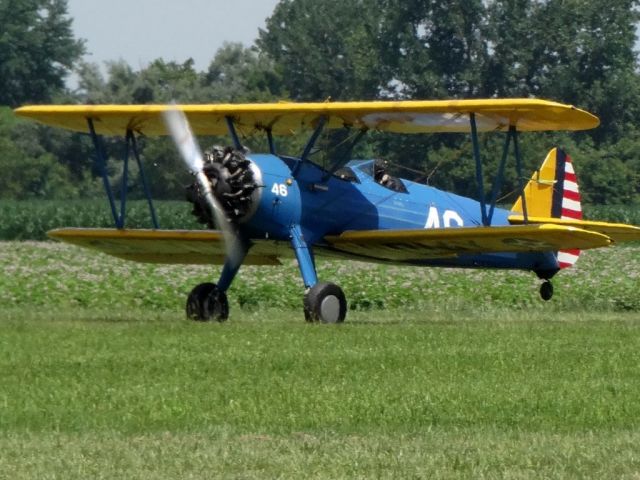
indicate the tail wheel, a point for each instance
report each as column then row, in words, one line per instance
column 206, row 302
column 546, row 290
column 325, row 303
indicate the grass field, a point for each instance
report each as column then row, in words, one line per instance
column 462, row 375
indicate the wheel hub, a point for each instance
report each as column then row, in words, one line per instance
column 330, row 309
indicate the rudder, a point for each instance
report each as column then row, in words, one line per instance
column 553, row 192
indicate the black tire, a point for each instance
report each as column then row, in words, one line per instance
column 546, row 290
column 326, row 303
column 206, row 302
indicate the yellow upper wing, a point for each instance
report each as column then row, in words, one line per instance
column 407, row 245
column 287, row 118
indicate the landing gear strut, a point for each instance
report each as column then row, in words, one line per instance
column 326, row 303
column 323, row 302
column 206, row 302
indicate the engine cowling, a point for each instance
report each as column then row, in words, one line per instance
column 235, row 182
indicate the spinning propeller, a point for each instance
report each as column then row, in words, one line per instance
column 191, row 154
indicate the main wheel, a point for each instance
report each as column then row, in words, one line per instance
column 325, row 302
column 546, row 290
column 206, row 302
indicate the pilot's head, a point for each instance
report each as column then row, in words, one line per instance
column 380, row 166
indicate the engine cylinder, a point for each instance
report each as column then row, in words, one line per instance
column 235, row 182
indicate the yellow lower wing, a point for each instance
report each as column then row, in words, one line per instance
column 617, row 232
column 406, row 245
column 207, row 247
column 167, row 246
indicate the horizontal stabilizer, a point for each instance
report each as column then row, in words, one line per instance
column 406, row 245
column 166, row 246
column 617, row 232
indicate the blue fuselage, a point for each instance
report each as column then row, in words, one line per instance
column 302, row 193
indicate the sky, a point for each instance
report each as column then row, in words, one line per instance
column 140, row 31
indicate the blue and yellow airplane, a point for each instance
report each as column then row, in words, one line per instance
column 269, row 206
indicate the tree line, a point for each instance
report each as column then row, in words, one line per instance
column 581, row 52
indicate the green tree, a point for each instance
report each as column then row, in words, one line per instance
column 28, row 169
column 239, row 74
column 435, row 49
column 575, row 51
column 37, row 50
column 325, row 49
column 160, row 82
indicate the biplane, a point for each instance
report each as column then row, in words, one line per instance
column 261, row 208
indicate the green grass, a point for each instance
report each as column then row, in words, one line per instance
column 56, row 275
column 139, row 395
column 465, row 375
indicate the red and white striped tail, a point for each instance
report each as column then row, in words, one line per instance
column 570, row 207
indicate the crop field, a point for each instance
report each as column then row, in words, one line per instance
column 435, row 374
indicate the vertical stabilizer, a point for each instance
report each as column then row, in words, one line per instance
column 553, row 192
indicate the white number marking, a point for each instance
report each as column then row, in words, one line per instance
column 279, row 189
column 449, row 218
